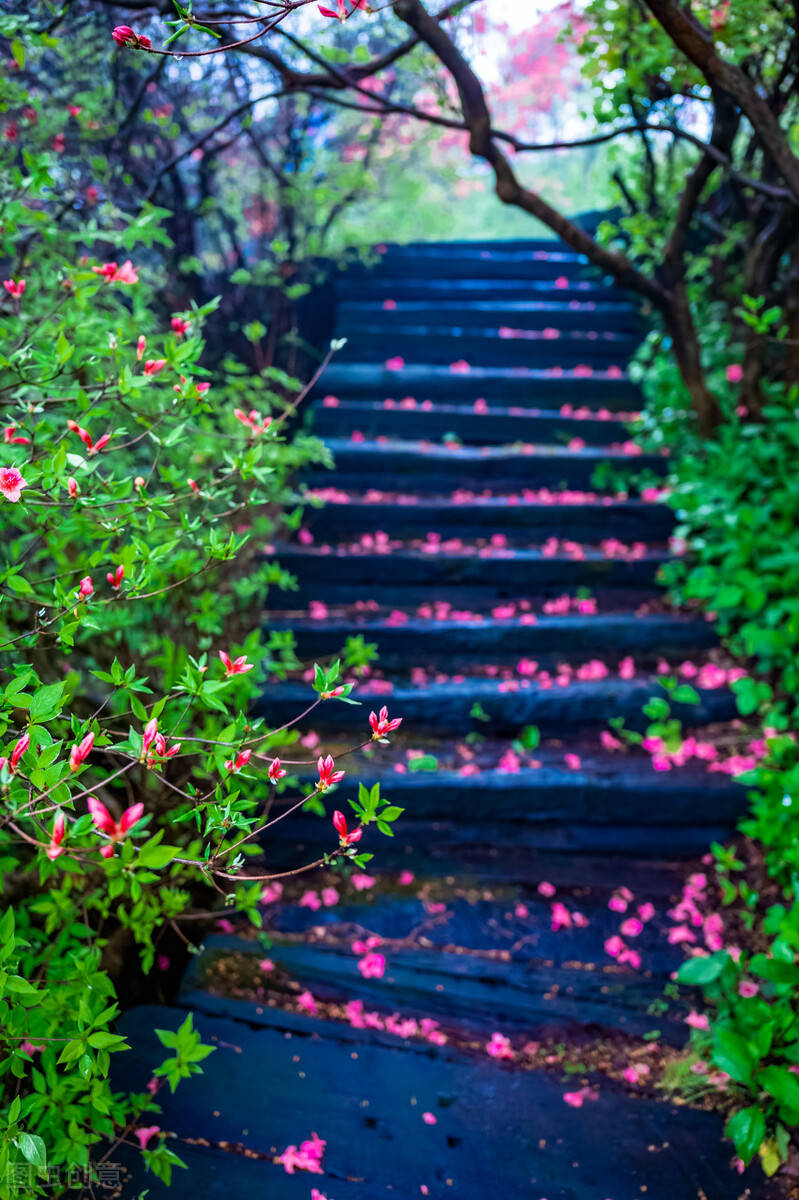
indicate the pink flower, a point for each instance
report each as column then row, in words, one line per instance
column 631, row 927
column 406, row 878
column 86, row 587
column 154, row 365
column 307, row 1158
column 561, row 917
column 105, row 823
column 306, row 1002
column 15, row 288
column 11, row 483
column 180, row 326
column 327, row 777
column 123, row 35
column 84, row 435
column 429, row 1119
column 362, row 883
column 546, row 889
column 56, row 838
column 272, row 892
column 572, row 761
column 79, row 753
column 72, row 487
column 146, row 1133
column 114, row 274
column 697, row 1020
column 748, row 988
column 115, row 577
column 238, row 666
column 734, row 373
column 329, row 897
column 253, row 420
column 381, row 726
column 614, row 946
column 310, row 899
column 11, row 437
column 234, row 765
column 275, row 771
column 499, row 1046
column 372, row 965
column 646, row 911
column 394, row 364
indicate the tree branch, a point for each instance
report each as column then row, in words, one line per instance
column 696, row 43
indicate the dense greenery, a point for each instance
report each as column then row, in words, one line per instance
column 136, row 495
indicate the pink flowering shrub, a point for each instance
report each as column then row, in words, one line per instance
column 135, row 503
column 736, row 561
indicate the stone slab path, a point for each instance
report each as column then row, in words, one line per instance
column 463, row 533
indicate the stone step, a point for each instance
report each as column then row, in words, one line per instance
column 489, row 639
column 597, row 794
column 447, row 707
column 427, row 467
column 628, row 520
column 540, row 389
column 497, row 426
column 447, row 344
column 471, row 994
column 479, row 264
column 412, row 574
column 366, row 1100
column 520, row 853
column 618, row 316
column 379, row 286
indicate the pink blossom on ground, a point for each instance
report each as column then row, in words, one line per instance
column 307, row 1158
column 306, row 1002
column 266, row 965
column 697, row 1020
column 362, row 883
column 372, row 965
column 748, row 988
column 329, row 897
column 406, row 878
column 310, row 899
column 429, row 1119
column 499, row 1046
column 631, row 927
column 546, row 889
column 271, row 893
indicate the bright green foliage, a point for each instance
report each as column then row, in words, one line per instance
column 134, row 538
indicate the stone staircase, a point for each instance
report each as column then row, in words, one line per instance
column 480, row 387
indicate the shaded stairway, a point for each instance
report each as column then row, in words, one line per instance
column 480, row 386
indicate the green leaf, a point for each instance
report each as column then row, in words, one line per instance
column 699, row 971
column 156, row 856
column 33, row 1149
column 46, row 702
column 733, row 1054
column 782, row 1084
column 747, row 1128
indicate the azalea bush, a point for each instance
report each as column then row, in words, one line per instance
column 736, row 500
column 138, row 496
